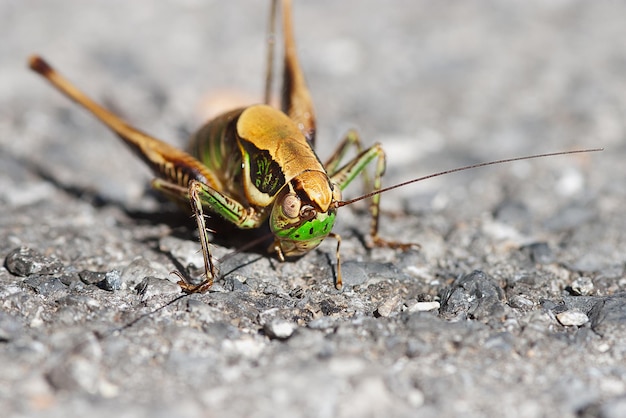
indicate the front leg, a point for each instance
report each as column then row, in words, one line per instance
column 344, row 176
column 200, row 196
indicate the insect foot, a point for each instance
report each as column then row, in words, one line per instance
column 202, row 287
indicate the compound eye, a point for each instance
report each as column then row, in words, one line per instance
column 291, row 205
column 307, row 212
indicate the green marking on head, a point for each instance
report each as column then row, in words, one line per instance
column 304, row 238
column 320, row 226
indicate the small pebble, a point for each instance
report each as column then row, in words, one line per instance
column 279, row 329
column 112, row 281
column 582, row 286
column 424, row 306
column 521, row 302
column 572, row 318
column 389, row 306
column 91, row 277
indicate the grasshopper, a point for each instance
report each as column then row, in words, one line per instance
column 255, row 165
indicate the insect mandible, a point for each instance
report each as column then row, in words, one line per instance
column 256, row 165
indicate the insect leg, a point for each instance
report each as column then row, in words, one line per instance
column 344, row 176
column 339, row 282
column 244, row 217
column 203, row 197
column 178, row 192
column 271, row 43
column 165, row 160
column 351, row 140
column 296, row 98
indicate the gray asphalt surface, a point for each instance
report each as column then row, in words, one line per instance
column 515, row 306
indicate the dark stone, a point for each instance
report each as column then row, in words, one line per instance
column 539, row 252
column 25, row 261
column 475, row 294
column 91, row 277
column 46, row 286
column 112, row 281
column 609, row 315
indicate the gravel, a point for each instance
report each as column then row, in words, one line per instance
column 514, row 305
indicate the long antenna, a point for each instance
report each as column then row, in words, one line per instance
column 455, row 170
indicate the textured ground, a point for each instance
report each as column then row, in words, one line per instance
column 526, row 261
